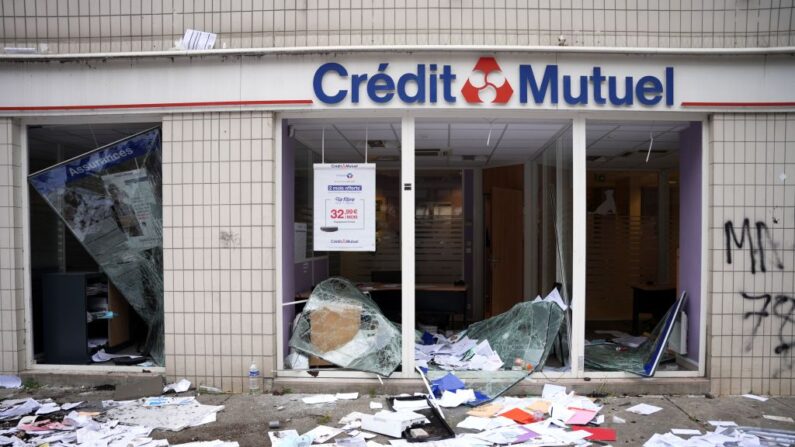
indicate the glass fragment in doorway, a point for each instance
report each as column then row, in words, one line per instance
column 110, row 199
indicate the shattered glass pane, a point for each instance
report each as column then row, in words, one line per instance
column 110, row 199
column 343, row 326
column 526, row 331
column 642, row 360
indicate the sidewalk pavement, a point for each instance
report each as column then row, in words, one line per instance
column 245, row 418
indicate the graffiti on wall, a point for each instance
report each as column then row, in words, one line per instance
column 775, row 309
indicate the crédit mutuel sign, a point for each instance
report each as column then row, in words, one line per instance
column 487, row 83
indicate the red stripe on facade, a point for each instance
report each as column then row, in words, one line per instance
column 738, row 104
column 161, row 105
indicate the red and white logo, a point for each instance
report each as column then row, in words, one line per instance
column 487, row 84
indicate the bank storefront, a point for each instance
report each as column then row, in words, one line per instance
column 602, row 215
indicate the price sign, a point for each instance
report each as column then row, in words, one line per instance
column 344, row 207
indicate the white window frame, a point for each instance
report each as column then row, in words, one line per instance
column 62, row 119
column 579, row 171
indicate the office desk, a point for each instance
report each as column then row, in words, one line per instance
column 655, row 299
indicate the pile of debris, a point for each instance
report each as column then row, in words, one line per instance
column 555, row 418
column 29, row 422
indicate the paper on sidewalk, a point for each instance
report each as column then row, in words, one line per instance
column 178, row 387
column 319, row 399
column 644, row 409
column 10, row 382
column 322, row 433
column 778, row 418
column 755, row 397
column 685, row 431
column 722, row 423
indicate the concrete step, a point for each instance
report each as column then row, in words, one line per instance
column 533, row 386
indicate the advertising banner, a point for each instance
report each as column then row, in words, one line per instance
column 344, row 207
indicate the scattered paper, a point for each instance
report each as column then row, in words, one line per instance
column 277, row 437
column 47, row 408
column 722, row 423
column 68, row 406
column 10, row 382
column 320, row 399
column 460, row 397
column 644, row 409
column 550, row 392
column 347, row 396
column 179, row 387
column 755, row 397
column 322, row 433
column 685, row 431
column 376, row 406
column 197, row 40
column 778, row 418
column 619, row 420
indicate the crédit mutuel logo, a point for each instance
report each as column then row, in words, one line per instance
column 488, row 83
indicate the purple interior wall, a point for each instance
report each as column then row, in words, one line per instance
column 288, row 233
column 469, row 216
column 690, row 231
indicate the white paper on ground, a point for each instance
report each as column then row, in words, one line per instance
column 644, row 409
column 48, row 407
column 167, row 417
column 347, row 396
column 376, row 406
column 619, row 420
column 320, row 399
column 666, row 440
column 399, row 404
column 68, row 406
column 474, row 423
column 178, row 387
column 778, row 418
column 460, row 397
column 10, row 382
column 755, row 397
column 23, row 408
column 685, row 431
column 322, row 433
column 276, row 437
column 722, row 423
column 550, row 391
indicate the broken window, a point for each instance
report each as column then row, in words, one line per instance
column 110, row 201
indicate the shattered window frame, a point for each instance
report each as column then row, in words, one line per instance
column 110, row 199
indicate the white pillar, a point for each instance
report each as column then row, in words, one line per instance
column 407, row 255
column 579, row 211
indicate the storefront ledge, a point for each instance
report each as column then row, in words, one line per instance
column 631, row 386
column 91, row 379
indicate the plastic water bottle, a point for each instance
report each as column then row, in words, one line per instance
column 253, row 379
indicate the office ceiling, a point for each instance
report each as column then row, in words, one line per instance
column 471, row 143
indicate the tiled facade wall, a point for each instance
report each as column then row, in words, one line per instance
column 12, row 313
column 72, row 26
column 218, row 223
column 752, row 327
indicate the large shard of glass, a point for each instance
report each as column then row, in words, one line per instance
column 111, row 200
column 526, row 331
column 642, row 360
column 341, row 325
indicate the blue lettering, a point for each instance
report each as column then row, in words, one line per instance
column 612, row 91
column 418, row 79
column 648, row 85
column 317, row 82
column 669, row 86
column 381, row 87
column 583, row 96
column 549, row 81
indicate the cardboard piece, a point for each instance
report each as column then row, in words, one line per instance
column 332, row 328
